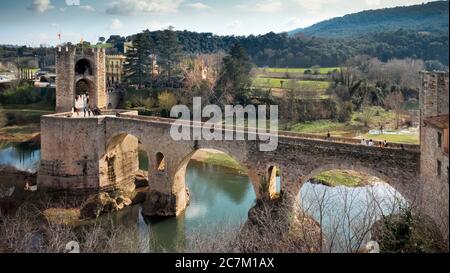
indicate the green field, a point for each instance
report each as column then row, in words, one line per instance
column 323, row 70
column 400, row 138
column 355, row 127
column 287, row 83
column 341, row 178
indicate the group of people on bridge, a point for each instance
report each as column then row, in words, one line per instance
column 82, row 104
column 368, row 142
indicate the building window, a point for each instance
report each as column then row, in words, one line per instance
column 439, row 139
column 439, row 168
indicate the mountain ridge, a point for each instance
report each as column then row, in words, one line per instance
column 428, row 17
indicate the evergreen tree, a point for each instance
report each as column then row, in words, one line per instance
column 138, row 65
column 235, row 81
column 169, row 50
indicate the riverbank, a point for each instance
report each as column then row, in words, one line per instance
column 20, row 125
column 345, row 178
column 219, row 159
column 360, row 125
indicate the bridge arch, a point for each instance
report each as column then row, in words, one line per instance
column 400, row 188
column 179, row 187
column 274, row 180
column 120, row 161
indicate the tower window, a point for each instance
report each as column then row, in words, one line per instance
column 439, row 168
column 439, row 139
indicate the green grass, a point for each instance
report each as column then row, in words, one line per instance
column 341, row 178
column 222, row 160
column 336, row 129
column 356, row 128
column 319, row 86
column 322, row 70
column 403, row 138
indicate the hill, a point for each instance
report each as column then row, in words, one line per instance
column 429, row 17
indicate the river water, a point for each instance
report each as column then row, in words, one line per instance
column 221, row 199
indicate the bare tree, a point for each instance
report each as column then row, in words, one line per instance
column 395, row 102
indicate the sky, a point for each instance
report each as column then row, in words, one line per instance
column 38, row 22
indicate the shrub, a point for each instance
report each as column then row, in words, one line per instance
column 344, row 111
column 166, row 101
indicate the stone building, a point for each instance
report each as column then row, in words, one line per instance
column 434, row 140
column 114, row 69
column 80, row 71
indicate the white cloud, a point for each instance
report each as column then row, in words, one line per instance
column 87, row 8
column 316, row 5
column 373, row 2
column 116, row 24
column 41, row 5
column 199, row 6
column 268, row 6
column 132, row 7
column 236, row 24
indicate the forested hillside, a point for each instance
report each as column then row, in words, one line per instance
column 430, row 17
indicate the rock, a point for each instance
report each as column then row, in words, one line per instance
column 139, row 198
column 97, row 204
column 123, row 200
column 141, row 179
column 159, row 204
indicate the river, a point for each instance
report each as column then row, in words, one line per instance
column 221, row 199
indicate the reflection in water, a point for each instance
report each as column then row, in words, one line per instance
column 23, row 156
column 219, row 197
column 348, row 212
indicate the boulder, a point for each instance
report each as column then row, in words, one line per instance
column 97, row 204
column 141, row 179
column 159, row 204
column 123, row 200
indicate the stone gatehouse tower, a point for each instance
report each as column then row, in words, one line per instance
column 434, row 147
column 80, row 71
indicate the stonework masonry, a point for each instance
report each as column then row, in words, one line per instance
column 434, row 102
column 67, row 78
column 100, row 153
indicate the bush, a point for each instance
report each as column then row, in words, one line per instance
column 344, row 111
column 3, row 119
column 25, row 94
column 166, row 100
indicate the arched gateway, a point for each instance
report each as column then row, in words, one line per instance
column 78, row 69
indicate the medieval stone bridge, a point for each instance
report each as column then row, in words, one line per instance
column 96, row 153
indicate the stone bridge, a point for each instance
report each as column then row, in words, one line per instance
column 101, row 153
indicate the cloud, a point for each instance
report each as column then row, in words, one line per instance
column 132, row 7
column 199, row 6
column 372, row 2
column 87, row 8
column 236, row 24
column 314, row 6
column 263, row 6
column 116, row 24
column 41, row 5
column 268, row 6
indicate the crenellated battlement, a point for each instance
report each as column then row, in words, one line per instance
column 80, row 70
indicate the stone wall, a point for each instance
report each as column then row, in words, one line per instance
column 101, row 153
column 67, row 79
column 434, row 101
column 435, row 191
